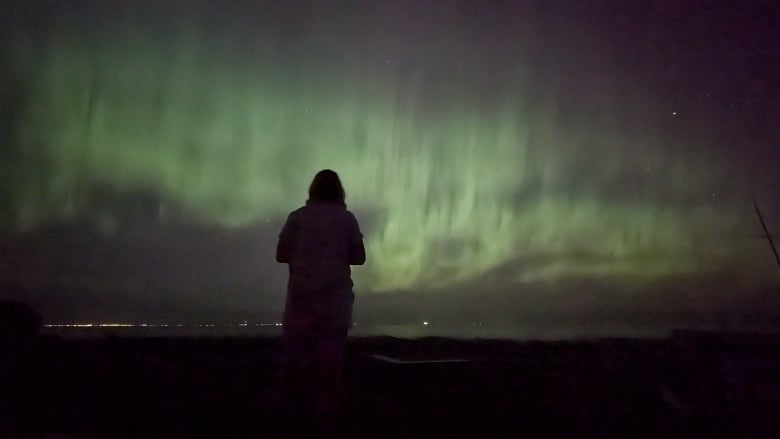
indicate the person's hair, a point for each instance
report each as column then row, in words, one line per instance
column 326, row 186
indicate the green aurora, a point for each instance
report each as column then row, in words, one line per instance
column 456, row 184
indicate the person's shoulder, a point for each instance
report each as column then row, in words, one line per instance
column 350, row 216
column 299, row 210
column 297, row 213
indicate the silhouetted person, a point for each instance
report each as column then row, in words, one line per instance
column 319, row 242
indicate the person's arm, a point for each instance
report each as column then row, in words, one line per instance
column 284, row 246
column 357, row 252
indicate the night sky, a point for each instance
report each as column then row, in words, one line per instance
column 503, row 157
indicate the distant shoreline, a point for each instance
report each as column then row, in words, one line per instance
column 403, row 331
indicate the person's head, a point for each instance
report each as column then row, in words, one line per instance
column 326, row 187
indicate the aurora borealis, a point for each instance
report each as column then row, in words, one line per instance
column 467, row 139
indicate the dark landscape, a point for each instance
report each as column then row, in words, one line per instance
column 691, row 384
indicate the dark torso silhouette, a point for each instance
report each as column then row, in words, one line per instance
column 318, row 242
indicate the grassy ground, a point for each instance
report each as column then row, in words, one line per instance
column 684, row 386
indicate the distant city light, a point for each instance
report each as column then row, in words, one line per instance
column 425, row 323
column 152, row 325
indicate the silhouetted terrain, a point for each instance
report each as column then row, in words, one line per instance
column 689, row 385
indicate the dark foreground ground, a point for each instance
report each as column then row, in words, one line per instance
column 690, row 385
